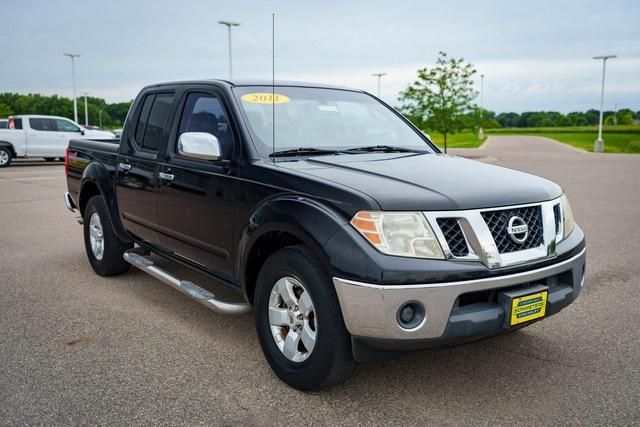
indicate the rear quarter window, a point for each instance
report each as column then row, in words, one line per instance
column 152, row 120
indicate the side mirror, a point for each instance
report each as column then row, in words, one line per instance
column 199, row 145
column 82, row 131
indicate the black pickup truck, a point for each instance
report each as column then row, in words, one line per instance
column 343, row 227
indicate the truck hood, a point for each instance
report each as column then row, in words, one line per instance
column 410, row 181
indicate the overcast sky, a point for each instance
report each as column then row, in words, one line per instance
column 536, row 55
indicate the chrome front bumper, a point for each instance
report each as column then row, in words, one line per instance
column 369, row 310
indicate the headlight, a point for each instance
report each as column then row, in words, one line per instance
column 398, row 233
column 567, row 216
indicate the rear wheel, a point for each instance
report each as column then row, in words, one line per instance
column 299, row 322
column 104, row 249
column 49, row 159
column 5, row 157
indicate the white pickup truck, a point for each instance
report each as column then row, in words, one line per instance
column 41, row 136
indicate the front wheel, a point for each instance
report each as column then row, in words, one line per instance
column 5, row 157
column 104, row 248
column 299, row 322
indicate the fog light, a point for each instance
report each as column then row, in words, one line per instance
column 410, row 315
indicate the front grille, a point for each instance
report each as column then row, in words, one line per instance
column 454, row 237
column 497, row 221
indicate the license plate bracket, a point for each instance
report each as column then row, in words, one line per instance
column 524, row 304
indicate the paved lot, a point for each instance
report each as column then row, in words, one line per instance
column 78, row 348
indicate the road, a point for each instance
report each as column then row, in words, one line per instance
column 76, row 348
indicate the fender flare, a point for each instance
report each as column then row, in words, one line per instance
column 308, row 220
column 10, row 146
column 97, row 175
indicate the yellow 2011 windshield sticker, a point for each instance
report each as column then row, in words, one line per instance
column 265, row 98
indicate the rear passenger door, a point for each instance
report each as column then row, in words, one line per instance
column 137, row 167
column 196, row 206
column 42, row 138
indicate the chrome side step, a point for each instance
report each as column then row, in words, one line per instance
column 203, row 296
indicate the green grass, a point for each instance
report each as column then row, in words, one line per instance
column 457, row 140
column 618, row 139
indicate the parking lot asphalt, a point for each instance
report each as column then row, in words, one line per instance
column 76, row 348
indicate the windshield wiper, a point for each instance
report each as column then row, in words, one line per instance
column 303, row 151
column 381, row 149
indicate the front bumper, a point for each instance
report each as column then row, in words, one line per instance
column 454, row 311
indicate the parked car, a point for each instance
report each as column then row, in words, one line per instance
column 40, row 136
column 350, row 236
column 4, row 123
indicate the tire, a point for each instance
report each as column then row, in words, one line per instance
column 330, row 360
column 49, row 159
column 5, row 157
column 106, row 258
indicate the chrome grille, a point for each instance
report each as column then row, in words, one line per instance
column 498, row 220
column 454, row 236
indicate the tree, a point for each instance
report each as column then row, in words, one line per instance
column 441, row 96
column 5, row 110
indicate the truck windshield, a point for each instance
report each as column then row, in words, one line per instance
column 318, row 121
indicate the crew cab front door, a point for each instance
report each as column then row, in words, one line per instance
column 196, row 198
column 67, row 130
column 137, row 167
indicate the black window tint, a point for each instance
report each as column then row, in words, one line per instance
column 204, row 113
column 17, row 123
column 142, row 119
column 45, row 125
column 157, row 121
column 4, row 124
column 65, row 126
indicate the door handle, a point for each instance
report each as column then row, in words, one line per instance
column 166, row 176
column 125, row 166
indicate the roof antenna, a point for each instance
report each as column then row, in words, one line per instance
column 273, row 82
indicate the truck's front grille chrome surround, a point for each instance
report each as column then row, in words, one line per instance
column 481, row 234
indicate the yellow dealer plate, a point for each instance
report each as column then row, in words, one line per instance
column 265, row 98
column 529, row 307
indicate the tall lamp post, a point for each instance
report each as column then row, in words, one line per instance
column 598, row 146
column 230, row 24
column 379, row 76
column 73, row 56
column 86, row 109
column 480, row 132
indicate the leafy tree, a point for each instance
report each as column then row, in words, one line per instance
column 441, row 95
column 113, row 115
column 5, row 111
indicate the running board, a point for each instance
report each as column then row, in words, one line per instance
column 188, row 288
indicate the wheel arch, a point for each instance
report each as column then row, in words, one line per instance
column 96, row 181
column 10, row 146
column 280, row 222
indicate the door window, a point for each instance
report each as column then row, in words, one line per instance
column 157, row 121
column 66, row 126
column 44, row 125
column 203, row 112
column 142, row 119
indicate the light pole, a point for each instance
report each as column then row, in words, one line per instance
column 230, row 24
column 379, row 76
column 598, row 146
column 73, row 56
column 480, row 132
column 100, row 117
column 86, row 109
